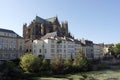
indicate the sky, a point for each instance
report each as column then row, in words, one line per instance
column 95, row 20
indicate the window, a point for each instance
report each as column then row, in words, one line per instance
column 39, row 50
column 59, row 46
column 52, row 46
column 0, row 46
column 64, row 51
column 0, row 40
column 52, row 51
column 4, row 34
column 20, row 48
column 64, row 46
column 45, row 50
column 59, row 50
column 52, row 41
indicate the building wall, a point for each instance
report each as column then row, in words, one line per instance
column 78, row 47
column 28, row 46
column 98, row 51
column 50, row 48
column 89, row 52
column 11, row 46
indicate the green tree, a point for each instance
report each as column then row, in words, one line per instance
column 30, row 63
column 45, row 65
column 9, row 71
column 81, row 62
column 115, row 50
column 57, row 66
column 68, row 65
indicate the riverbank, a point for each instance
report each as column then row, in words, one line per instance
column 93, row 75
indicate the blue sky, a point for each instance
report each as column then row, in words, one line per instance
column 96, row 20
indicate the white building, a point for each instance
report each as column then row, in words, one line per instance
column 79, row 47
column 51, row 46
column 88, row 48
column 54, row 47
column 11, row 45
column 98, row 51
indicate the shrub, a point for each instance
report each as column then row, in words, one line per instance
column 68, row 65
column 57, row 66
column 102, row 66
column 81, row 62
column 45, row 65
column 30, row 63
column 9, row 71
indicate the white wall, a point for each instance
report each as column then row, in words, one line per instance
column 63, row 49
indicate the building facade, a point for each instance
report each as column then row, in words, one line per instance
column 11, row 45
column 98, row 51
column 52, row 46
column 88, row 48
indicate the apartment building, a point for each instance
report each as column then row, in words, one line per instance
column 51, row 46
column 11, row 45
column 88, row 48
column 98, row 51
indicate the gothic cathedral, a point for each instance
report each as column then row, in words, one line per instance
column 40, row 27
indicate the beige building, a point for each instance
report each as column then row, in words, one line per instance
column 11, row 45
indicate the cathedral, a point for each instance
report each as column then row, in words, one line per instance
column 40, row 27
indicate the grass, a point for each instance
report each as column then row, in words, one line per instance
column 97, row 75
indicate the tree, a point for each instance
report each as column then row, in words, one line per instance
column 81, row 62
column 45, row 65
column 68, row 65
column 30, row 63
column 57, row 66
column 115, row 50
column 9, row 71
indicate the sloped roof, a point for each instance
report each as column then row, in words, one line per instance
column 53, row 19
column 46, row 21
column 41, row 20
column 9, row 31
column 6, row 30
column 52, row 34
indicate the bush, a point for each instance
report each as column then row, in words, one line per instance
column 30, row 63
column 9, row 71
column 57, row 66
column 80, row 62
column 45, row 65
column 68, row 65
column 102, row 66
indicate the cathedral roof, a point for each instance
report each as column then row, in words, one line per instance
column 41, row 20
column 53, row 19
